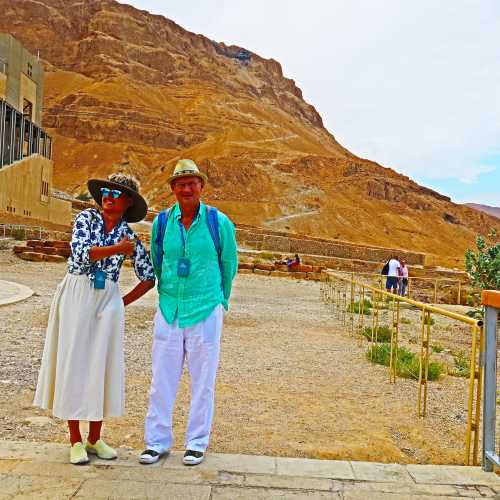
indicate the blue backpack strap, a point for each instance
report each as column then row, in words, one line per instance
column 161, row 227
column 213, row 227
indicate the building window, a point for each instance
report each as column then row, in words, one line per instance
column 45, row 189
column 30, row 70
column 28, row 109
column 3, row 67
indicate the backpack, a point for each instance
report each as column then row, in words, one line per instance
column 213, row 229
column 385, row 269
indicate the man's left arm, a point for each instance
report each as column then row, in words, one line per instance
column 229, row 255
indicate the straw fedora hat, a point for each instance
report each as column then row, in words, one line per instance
column 186, row 168
column 126, row 184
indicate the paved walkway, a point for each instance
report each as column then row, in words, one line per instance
column 13, row 292
column 31, row 470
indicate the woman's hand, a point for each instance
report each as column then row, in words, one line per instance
column 125, row 246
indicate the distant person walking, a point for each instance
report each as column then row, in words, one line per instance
column 193, row 249
column 391, row 284
column 82, row 372
column 403, row 277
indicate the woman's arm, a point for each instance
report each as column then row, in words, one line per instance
column 125, row 246
column 138, row 291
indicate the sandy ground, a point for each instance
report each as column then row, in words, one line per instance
column 292, row 381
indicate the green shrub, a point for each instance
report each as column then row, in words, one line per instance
column 257, row 261
column 405, row 321
column 437, row 348
column 355, row 307
column 4, row 244
column 462, row 368
column 383, row 333
column 18, row 234
column 475, row 313
column 267, row 255
column 429, row 320
column 408, row 364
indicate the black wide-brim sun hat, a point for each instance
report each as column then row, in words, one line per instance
column 135, row 213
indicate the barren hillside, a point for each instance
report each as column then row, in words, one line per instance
column 125, row 86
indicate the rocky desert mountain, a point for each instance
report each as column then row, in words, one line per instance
column 126, row 89
column 487, row 209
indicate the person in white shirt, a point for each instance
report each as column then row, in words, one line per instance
column 391, row 284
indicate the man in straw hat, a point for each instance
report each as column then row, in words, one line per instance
column 193, row 249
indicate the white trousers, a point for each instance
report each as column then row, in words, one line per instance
column 200, row 346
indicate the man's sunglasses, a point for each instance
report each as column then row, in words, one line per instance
column 113, row 193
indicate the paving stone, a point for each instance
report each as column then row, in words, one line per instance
column 334, row 469
column 32, row 256
column 97, row 489
column 244, row 265
column 299, row 276
column 290, row 482
column 400, row 488
column 7, row 465
column 49, row 452
column 361, row 495
column 230, row 493
column 485, row 491
column 371, row 471
column 54, row 469
column 49, row 488
column 280, row 274
column 54, row 258
column 230, row 463
column 454, row 474
column 245, row 271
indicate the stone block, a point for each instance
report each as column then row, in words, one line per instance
column 299, row 276
column 63, row 252
column 281, row 267
column 55, row 488
column 264, row 267
column 22, row 248
column 246, row 464
column 34, row 243
column 333, row 469
column 48, row 243
column 61, row 244
column 304, row 269
column 97, row 489
column 32, row 256
column 318, row 269
column 452, row 474
column 288, row 482
column 281, row 274
column 228, row 493
column 261, row 272
column 372, row 471
column 49, row 251
column 245, row 265
column 54, row 258
column 245, row 271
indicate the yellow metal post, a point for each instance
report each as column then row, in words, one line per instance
column 424, row 363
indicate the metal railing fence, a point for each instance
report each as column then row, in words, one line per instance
column 351, row 299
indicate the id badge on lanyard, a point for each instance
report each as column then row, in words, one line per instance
column 183, row 263
column 99, row 276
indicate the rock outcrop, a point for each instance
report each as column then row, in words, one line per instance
column 129, row 90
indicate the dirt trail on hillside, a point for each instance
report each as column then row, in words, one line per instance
column 291, row 381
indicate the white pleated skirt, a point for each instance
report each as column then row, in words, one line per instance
column 82, row 375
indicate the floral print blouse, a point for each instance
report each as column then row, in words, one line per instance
column 88, row 232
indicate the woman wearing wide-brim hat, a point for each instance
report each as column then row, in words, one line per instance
column 82, row 373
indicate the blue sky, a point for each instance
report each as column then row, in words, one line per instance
column 413, row 85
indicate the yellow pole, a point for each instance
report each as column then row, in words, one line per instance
column 472, row 368
column 479, row 386
column 459, row 292
column 435, row 291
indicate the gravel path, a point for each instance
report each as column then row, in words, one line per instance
column 292, row 382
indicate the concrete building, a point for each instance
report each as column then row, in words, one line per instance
column 26, row 169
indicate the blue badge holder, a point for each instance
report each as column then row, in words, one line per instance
column 99, row 280
column 183, row 266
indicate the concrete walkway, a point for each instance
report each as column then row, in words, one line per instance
column 31, row 470
column 13, row 292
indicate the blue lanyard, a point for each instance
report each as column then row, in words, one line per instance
column 181, row 228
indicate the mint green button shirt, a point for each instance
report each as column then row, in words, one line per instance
column 191, row 299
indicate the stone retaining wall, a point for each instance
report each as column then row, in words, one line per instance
column 277, row 242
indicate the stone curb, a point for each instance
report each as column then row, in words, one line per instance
column 19, row 292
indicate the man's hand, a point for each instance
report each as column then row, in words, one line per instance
column 125, row 246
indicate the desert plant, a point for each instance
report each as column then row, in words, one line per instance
column 267, row 256
column 429, row 321
column 355, row 307
column 462, row 366
column 383, row 333
column 408, row 364
column 405, row 321
column 4, row 244
column 483, row 264
column 18, row 234
column 437, row 348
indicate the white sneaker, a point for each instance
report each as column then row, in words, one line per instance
column 149, row 457
column 192, row 457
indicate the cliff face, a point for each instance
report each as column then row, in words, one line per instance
column 130, row 90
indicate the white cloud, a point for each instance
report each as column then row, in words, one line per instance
column 411, row 84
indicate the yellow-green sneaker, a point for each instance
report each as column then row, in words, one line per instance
column 78, row 455
column 101, row 449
